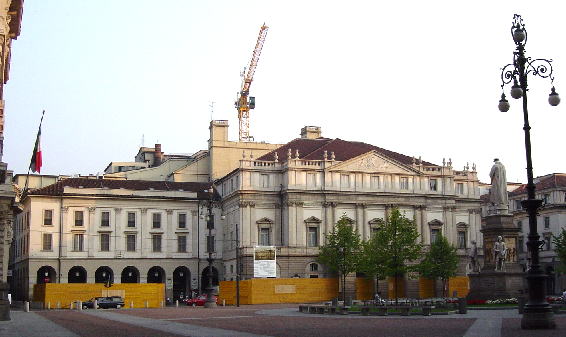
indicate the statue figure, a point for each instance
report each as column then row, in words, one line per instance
column 498, row 191
column 474, row 257
column 499, row 253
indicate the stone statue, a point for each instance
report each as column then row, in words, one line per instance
column 498, row 191
column 474, row 257
column 499, row 253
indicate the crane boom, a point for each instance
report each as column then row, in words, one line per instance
column 243, row 104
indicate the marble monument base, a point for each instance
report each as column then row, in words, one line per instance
column 490, row 284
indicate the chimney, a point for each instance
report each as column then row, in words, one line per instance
column 311, row 132
column 158, row 155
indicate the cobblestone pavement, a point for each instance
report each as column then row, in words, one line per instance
column 262, row 320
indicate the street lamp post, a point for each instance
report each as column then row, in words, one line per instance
column 210, row 301
column 537, row 312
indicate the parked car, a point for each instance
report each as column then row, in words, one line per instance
column 105, row 302
column 199, row 300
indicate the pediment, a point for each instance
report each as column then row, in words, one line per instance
column 264, row 221
column 376, row 222
column 374, row 162
column 313, row 219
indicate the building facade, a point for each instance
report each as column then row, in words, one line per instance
column 551, row 220
column 81, row 230
column 292, row 196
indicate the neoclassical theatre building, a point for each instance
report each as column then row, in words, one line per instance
column 292, row 196
column 142, row 221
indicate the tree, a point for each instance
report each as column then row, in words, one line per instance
column 371, row 262
column 560, row 248
column 441, row 262
column 395, row 246
column 341, row 251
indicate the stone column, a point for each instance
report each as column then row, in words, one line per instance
column 367, row 231
column 193, row 235
column 292, row 224
column 300, row 225
column 277, row 226
column 417, row 216
column 254, row 236
column 326, row 226
column 359, row 220
column 141, row 232
column 63, row 236
column 169, row 239
column 244, row 225
column 92, row 235
column 118, row 237
column 425, row 228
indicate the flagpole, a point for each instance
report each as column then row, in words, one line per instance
column 33, row 155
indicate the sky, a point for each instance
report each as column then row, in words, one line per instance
column 421, row 78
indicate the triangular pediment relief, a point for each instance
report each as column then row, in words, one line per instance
column 376, row 222
column 264, row 221
column 374, row 162
column 313, row 219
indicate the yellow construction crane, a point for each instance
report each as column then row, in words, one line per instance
column 243, row 104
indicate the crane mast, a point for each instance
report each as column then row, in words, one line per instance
column 244, row 103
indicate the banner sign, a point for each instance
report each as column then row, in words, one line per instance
column 264, row 261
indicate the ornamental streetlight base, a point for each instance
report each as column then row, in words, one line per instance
column 538, row 317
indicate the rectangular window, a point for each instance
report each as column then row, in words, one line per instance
column 104, row 242
column 156, row 220
column 520, row 243
column 546, row 198
column 518, row 205
column 311, row 179
column 264, row 239
column 520, row 225
column 433, row 184
column 79, row 218
column 345, row 180
column 131, row 242
column 264, row 180
column 434, row 233
column 404, row 183
column 131, row 219
column 156, row 243
column 461, row 240
column 105, row 219
column 546, row 222
column 78, row 242
column 182, row 220
column 374, row 182
column 312, row 240
column 182, row 243
column 460, row 188
column 48, row 217
column 210, row 244
column 47, row 242
column 547, row 242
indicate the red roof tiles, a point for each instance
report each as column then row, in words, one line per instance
column 138, row 185
column 313, row 149
column 554, row 180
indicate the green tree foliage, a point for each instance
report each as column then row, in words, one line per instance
column 341, row 251
column 560, row 248
column 394, row 247
column 441, row 262
column 371, row 262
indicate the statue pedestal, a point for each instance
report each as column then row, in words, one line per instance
column 508, row 282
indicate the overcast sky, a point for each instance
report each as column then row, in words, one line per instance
column 417, row 77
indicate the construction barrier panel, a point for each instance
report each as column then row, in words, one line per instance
column 364, row 288
column 426, row 288
column 400, row 287
column 279, row 290
column 132, row 293
column 460, row 285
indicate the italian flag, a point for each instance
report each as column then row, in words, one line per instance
column 35, row 164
